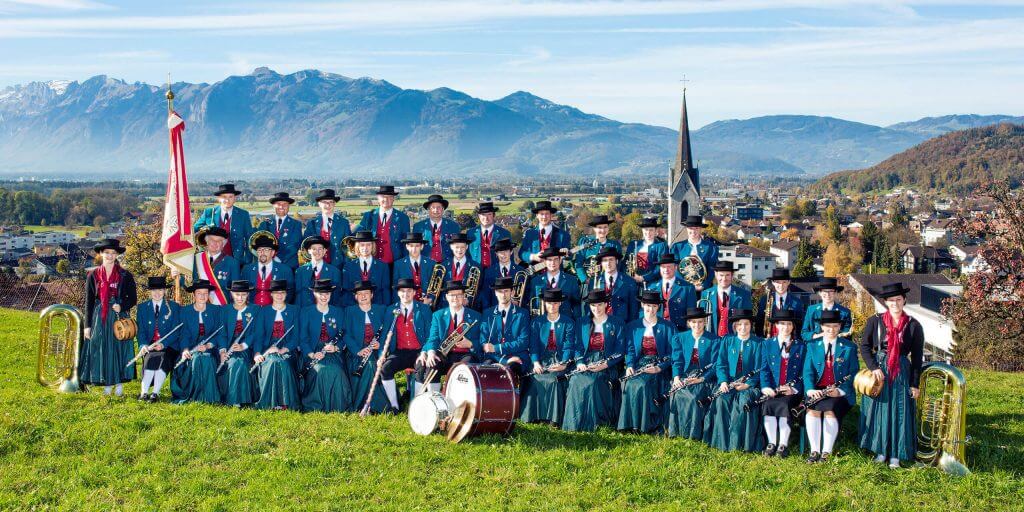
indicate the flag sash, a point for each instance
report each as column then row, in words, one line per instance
column 204, row 270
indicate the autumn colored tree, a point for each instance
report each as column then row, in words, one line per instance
column 840, row 260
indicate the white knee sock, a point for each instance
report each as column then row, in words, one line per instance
column 391, row 391
column 159, row 382
column 831, row 432
column 769, row 428
column 119, row 389
column 814, row 432
column 880, row 458
column 106, row 390
column 783, row 431
column 147, row 379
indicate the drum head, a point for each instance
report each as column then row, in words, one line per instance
column 426, row 412
column 462, row 386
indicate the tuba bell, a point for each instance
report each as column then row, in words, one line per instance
column 349, row 243
column 59, row 345
column 261, row 235
column 942, row 418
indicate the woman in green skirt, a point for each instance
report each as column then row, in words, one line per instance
column 243, row 333
column 552, row 347
column 195, row 380
column 363, row 322
column 694, row 352
column 892, row 347
column 277, row 351
column 109, row 294
column 326, row 387
column 728, row 426
column 588, row 400
column 648, row 358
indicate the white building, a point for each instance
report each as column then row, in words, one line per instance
column 786, row 252
column 752, row 264
column 934, row 231
column 30, row 240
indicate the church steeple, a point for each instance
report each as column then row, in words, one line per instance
column 684, row 157
column 684, row 182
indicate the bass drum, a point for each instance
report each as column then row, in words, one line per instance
column 428, row 411
column 491, row 390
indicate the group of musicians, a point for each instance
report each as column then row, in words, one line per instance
column 617, row 340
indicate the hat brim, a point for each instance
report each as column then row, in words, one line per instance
column 288, row 200
column 895, row 293
column 387, row 193
column 444, row 204
column 324, row 198
column 193, row 288
column 487, row 210
column 545, row 209
column 306, row 244
column 605, row 222
column 100, row 248
column 232, row 192
column 702, row 316
column 695, row 225
column 833, row 288
column 322, row 289
column 741, row 317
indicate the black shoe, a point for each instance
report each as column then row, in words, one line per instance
column 824, row 456
column 142, row 398
column 783, row 451
column 769, row 450
column 815, row 457
column 154, row 397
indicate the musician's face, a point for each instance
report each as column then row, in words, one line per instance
column 322, row 298
column 668, row 271
column 601, row 231
column 785, row 328
column 264, row 254
column 895, row 304
column 406, row 295
column 551, row 308
column 456, row 298
column 226, row 200
column 651, row 310
column 386, row 201
column 544, row 217
column 504, row 296
column 649, row 233
column 694, row 233
column 201, row 296
column 609, row 264
column 742, row 327
column 599, row 309
column 364, row 297
column 724, row 279
column 317, row 252
column 459, row 250
column 827, row 296
column 326, row 206
column 486, row 219
column 364, row 249
column 109, row 256
column 157, row 294
column 504, row 256
column 696, row 324
column 831, row 330
column 435, row 210
column 240, row 298
column 414, row 250
column 281, row 208
column 553, row 263
column 215, row 244
column 279, row 297
column 781, row 286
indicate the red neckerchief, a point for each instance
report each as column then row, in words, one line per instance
column 107, row 285
column 894, row 341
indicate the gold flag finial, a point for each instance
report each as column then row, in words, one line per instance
column 169, row 95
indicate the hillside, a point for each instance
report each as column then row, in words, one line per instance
column 954, row 163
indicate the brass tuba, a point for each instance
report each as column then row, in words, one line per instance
column 942, row 418
column 59, row 345
column 349, row 243
column 261, row 235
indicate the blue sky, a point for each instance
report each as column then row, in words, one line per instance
column 876, row 61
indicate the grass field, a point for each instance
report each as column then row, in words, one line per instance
column 81, row 231
column 88, row 452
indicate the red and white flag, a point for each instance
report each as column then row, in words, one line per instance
column 177, row 242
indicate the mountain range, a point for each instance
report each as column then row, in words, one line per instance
column 323, row 123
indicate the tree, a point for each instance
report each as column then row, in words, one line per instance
column 804, row 266
column 631, row 227
column 63, row 266
column 760, row 243
column 528, row 205
column 988, row 314
column 142, row 250
column 869, row 235
column 832, row 230
column 839, row 260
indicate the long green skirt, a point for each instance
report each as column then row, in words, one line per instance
column 362, row 385
column 685, row 417
column 196, row 380
column 327, row 387
column 103, row 356
column 888, row 422
column 638, row 411
column 588, row 400
column 277, row 383
column 544, row 396
column 732, row 428
column 236, row 383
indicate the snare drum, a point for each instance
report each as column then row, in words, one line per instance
column 492, row 391
column 428, row 411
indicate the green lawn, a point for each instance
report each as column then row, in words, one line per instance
column 88, row 452
column 81, row 231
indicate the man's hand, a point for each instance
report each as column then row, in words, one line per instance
column 489, row 348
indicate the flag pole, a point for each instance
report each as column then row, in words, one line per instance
column 170, row 110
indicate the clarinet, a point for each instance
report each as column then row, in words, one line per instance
column 276, row 343
column 606, row 360
column 182, row 360
column 692, row 373
column 332, row 342
column 240, row 336
column 809, row 402
column 547, row 368
column 358, row 372
column 643, row 369
column 718, row 392
column 764, row 398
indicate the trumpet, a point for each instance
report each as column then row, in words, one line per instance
column 472, row 286
column 631, row 264
column 435, row 283
column 349, row 243
column 447, row 345
column 519, row 287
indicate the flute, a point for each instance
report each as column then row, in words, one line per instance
column 276, row 343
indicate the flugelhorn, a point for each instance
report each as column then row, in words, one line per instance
column 57, row 361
